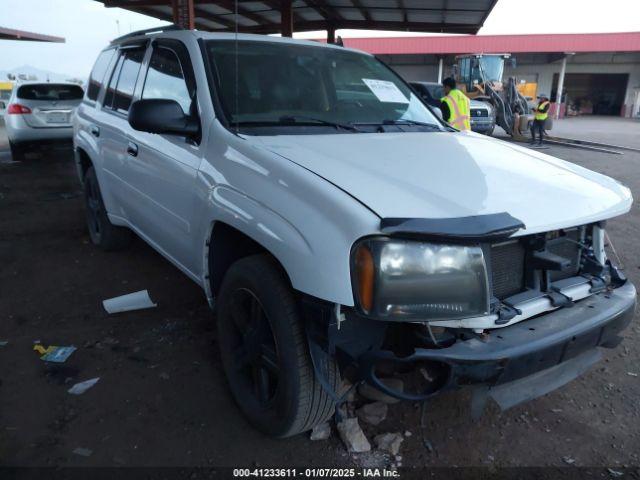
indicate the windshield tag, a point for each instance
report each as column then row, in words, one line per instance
column 385, row 91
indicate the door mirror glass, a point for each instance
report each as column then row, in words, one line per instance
column 438, row 112
column 157, row 115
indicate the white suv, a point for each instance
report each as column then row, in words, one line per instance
column 341, row 230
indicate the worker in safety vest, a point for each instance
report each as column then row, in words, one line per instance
column 541, row 112
column 455, row 106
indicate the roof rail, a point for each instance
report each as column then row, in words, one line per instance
column 147, row 31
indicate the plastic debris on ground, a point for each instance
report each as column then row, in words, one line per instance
column 54, row 353
column 131, row 301
column 83, row 452
column 80, row 388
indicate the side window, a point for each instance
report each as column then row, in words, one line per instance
column 123, row 79
column 111, row 89
column 97, row 74
column 165, row 79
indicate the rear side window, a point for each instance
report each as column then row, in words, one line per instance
column 50, row 92
column 165, row 79
column 123, row 79
column 97, row 74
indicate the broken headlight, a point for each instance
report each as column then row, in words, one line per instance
column 395, row 279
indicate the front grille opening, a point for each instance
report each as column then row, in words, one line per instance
column 507, row 268
column 566, row 246
column 508, row 259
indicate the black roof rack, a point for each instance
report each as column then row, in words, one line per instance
column 147, row 31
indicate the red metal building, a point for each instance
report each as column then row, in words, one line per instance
column 602, row 70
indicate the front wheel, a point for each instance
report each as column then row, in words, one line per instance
column 102, row 232
column 264, row 351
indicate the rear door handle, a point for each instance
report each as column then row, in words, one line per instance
column 132, row 149
column 95, row 131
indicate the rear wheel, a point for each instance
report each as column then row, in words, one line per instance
column 264, row 351
column 102, row 232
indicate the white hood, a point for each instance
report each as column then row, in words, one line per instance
column 446, row 175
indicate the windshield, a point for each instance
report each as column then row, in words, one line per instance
column 301, row 84
column 493, row 68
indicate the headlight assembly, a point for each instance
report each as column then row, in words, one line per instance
column 395, row 279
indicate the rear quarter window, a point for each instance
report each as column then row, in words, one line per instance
column 50, row 92
column 97, row 74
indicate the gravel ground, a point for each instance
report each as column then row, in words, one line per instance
column 162, row 398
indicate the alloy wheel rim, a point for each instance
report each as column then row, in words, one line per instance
column 254, row 349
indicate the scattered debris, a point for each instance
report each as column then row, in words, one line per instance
column 389, row 442
column 353, row 436
column 54, row 353
column 131, row 301
column 4, row 343
column 373, row 413
column 568, row 460
column 164, row 376
column 556, row 410
column 371, row 393
column 83, row 452
column 80, row 388
column 407, row 433
column 321, row 431
column 614, row 473
column 632, row 374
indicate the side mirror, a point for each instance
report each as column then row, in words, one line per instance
column 3, row 105
column 438, row 112
column 157, row 115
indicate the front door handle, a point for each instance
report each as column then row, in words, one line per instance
column 132, row 149
column 95, row 131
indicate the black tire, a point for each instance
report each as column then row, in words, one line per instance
column 102, row 232
column 17, row 151
column 269, row 351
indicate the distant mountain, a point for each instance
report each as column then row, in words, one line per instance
column 30, row 72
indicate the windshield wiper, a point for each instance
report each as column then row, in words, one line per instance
column 287, row 119
column 410, row 122
column 431, row 126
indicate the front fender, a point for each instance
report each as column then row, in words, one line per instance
column 308, row 224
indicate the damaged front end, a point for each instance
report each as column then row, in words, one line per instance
column 550, row 300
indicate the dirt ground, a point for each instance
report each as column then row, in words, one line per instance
column 162, row 399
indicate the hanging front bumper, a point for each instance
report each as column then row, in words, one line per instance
column 562, row 337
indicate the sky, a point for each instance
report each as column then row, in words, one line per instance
column 88, row 27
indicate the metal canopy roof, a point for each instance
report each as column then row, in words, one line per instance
column 264, row 16
column 11, row 34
